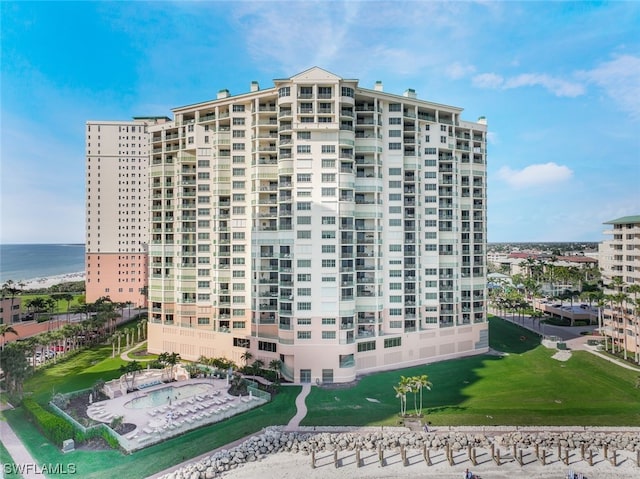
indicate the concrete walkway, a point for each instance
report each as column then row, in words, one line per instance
column 301, row 407
column 21, row 457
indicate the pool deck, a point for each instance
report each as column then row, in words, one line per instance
column 156, row 423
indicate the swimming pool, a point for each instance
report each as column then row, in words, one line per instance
column 162, row 396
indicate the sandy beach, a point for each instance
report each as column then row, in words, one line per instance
column 294, row 465
column 48, row 281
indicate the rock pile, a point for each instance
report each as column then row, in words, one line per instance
column 275, row 440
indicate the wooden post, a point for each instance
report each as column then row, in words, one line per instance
column 469, row 454
column 426, row 456
column 590, row 457
column 537, row 451
column 614, row 458
column 493, row 450
column 358, row 464
column 566, row 456
column 582, row 451
column 638, row 458
column 474, row 461
column 559, row 452
column 606, row 451
column 403, row 454
column 514, row 451
column 543, row 458
column 497, row 457
column 335, row 458
column 450, row 455
column 380, row 455
column 313, row 458
column 520, row 457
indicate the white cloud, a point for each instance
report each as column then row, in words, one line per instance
column 620, row 80
column 535, row 175
column 487, row 80
column 457, row 70
column 557, row 86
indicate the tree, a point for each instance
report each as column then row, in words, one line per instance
column 172, row 360
column 130, row 370
column 422, row 382
column 38, row 305
column 276, row 365
column 13, row 361
column 7, row 329
column 246, row 357
column 68, row 297
column 12, row 290
column 634, row 289
column 401, row 393
column 257, row 365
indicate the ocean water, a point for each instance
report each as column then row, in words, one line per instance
column 20, row 262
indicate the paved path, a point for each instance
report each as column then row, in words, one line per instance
column 294, row 423
column 21, row 457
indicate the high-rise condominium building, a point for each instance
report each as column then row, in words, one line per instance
column 117, row 209
column 337, row 229
column 620, row 265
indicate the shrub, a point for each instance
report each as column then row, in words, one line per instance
column 53, row 427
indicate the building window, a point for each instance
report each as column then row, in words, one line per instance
column 392, row 342
column 366, row 346
column 328, row 192
column 304, row 278
column 328, row 263
column 284, row 91
column 395, row 107
column 328, row 335
column 304, row 149
column 304, row 177
column 304, row 135
column 304, row 206
column 267, row 346
column 241, row 343
column 304, row 321
column 328, row 234
column 395, row 146
column 304, row 263
column 395, row 121
column 238, row 108
column 304, row 334
column 328, row 321
column 303, row 220
column 328, row 248
column 304, row 291
column 303, row 234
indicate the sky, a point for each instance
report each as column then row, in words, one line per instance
column 559, row 84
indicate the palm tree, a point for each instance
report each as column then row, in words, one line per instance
column 276, row 365
column 257, row 365
column 634, row 289
column 6, row 329
column 38, row 304
column 68, row 297
column 246, row 357
column 422, row 382
column 12, row 289
column 172, row 360
column 401, row 393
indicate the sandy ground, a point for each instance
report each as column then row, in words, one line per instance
column 49, row 281
column 289, row 465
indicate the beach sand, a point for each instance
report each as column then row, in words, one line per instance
column 289, row 466
column 49, row 281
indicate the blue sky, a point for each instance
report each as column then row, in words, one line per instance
column 559, row 83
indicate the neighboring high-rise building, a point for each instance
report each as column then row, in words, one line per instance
column 338, row 229
column 117, row 214
column 620, row 265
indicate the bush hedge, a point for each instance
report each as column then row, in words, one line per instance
column 53, row 427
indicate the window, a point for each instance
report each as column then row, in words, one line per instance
column 443, row 139
column 304, row 306
column 395, row 247
column 328, row 263
column 241, row 343
column 304, row 263
column 238, row 121
column 238, row 248
column 303, row 220
column 304, row 177
column 238, row 274
column 238, row 171
column 392, row 342
column 327, row 248
column 304, row 334
column 238, row 108
column 238, row 197
column 237, row 185
column 328, row 163
column 328, row 177
column 284, row 91
column 267, row 346
column 304, row 135
column 328, row 192
column 324, row 92
column 304, row 206
column 395, row 121
column 328, row 321
column 304, row 234
column 303, row 194
column 366, row 346
column 328, row 335
column 328, row 234
column 395, row 184
column 395, row 222
column 395, row 312
column 304, row 292
column 395, row 286
column 238, row 235
column 443, row 127
column 328, row 148
column 238, row 261
column 346, row 91
column 304, row 148
column 304, row 321
column 395, row 197
column 395, row 273
column 304, row 277
column 395, row 133
column 395, row 210
column 238, row 134
column 395, row 171
column 238, row 210
column 395, row 146
column 238, row 159
column 328, row 220
column 203, row 320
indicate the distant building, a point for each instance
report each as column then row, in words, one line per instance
column 338, row 229
column 620, row 258
column 10, row 309
column 117, row 209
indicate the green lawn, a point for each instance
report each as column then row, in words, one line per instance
column 109, row 464
column 61, row 306
column 526, row 387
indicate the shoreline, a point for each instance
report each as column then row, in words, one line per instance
column 48, row 281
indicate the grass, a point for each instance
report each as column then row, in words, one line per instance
column 526, row 387
column 145, row 357
column 108, row 464
column 61, row 305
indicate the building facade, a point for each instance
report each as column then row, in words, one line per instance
column 338, row 229
column 117, row 209
column 620, row 266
